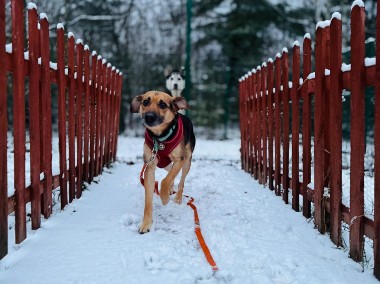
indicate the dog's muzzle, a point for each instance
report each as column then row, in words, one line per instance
column 152, row 119
column 175, row 86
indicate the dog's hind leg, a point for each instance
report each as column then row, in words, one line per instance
column 181, row 185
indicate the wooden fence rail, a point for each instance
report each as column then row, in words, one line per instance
column 89, row 98
column 267, row 127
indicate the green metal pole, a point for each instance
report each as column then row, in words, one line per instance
column 189, row 5
column 226, row 101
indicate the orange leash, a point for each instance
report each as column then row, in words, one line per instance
column 198, row 231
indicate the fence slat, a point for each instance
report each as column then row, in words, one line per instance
column 61, row 81
column 79, row 116
column 319, row 128
column 376, row 240
column 249, row 119
column 86, row 114
column 306, row 126
column 285, row 103
column 278, row 125
column 71, row 116
column 295, row 127
column 119, row 86
column 3, row 140
column 101, row 117
column 357, row 133
column 17, row 8
column 93, row 114
column 264, row 122
column 270, row 123
column 34, row 118
column 253, row 123
column 336, row 131
column 46, row 117
column 259, row 121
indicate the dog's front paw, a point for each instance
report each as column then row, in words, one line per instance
column 145, row 227
column 178, row 198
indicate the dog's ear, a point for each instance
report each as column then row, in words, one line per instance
column 180, row 103
column 135, row 104
column 168, row 70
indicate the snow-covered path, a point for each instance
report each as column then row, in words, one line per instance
column 253, row 236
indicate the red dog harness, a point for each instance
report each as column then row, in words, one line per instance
column 164, row 147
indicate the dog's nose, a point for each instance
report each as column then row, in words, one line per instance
column 175, row 86
column 151, row 119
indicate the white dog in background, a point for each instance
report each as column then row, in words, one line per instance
column 175, row 83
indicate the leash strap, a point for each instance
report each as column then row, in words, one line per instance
column 197, row 230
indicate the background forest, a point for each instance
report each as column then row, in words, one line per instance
column 143, row 38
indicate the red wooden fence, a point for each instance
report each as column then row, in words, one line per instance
column 93, row 96
column 265, row 129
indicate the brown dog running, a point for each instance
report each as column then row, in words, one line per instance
column 169, row 143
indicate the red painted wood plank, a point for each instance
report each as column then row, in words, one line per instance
column 17, row 8
column 107, row 118
column 79, row 116
column 319, row 128
column 61, row 80
column 251, row 122
column 86, row 114
column 295, row 127
column 357, row 133
column 92, row 115
column 98, row 113
column 119, row 100
column 264, row 123
column 3, row 140
column 278, row 125
column 46, row 117
column 306, row 127
column 376, row 239
column 270, row 123
column 336, row 131
column 102, row 115
column 253, row 130
column 285, row 102
column 259, row 121
column 112, row 113
column 71, row 116
column 34, row 117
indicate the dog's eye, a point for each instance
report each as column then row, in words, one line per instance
column 172, row 79
column 145, row 102
column 162, row 105
column 179, row 79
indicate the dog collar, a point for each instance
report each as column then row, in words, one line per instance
column 164, row 145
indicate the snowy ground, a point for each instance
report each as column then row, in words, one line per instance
column 253, row 236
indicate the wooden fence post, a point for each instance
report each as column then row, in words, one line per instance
column 79, row 115
column 71, row 115
column 61, row 80
column 336, row 130
column 3, row 140
column 270, row 122
column 295, row 126
column 264, row 116
column 259, row 123
column 46, row 116
column 249, row 121
column 306, row 126
column 357, row 133
column 285, row 103
column 17, row 8
column 376, row 240
column 113, row 113
column 319, row 127
column 86, row 122
column 278, row 125
column 34, row 116
column 93, row 114
column 254, row 153
column 98, row 113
